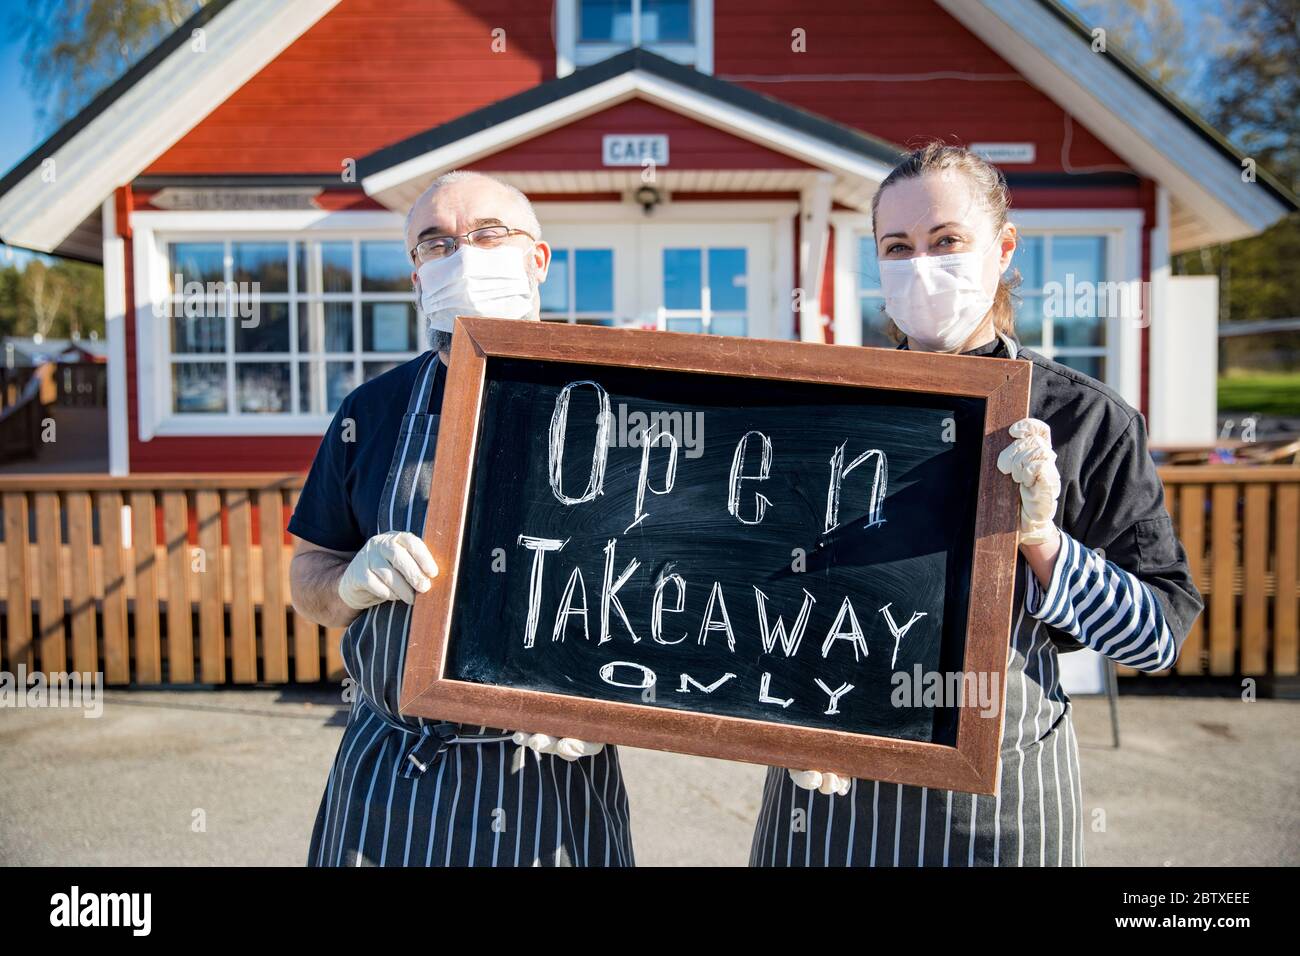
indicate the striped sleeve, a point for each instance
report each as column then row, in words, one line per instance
column 1104, row 607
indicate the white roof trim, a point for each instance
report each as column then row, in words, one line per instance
column 147, row 119
column 1143, row 131
column 393, row 186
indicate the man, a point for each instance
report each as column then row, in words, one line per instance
column 416, row 792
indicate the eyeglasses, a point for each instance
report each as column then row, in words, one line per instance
column 439, row 247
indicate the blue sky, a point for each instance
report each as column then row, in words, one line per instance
column 19, row 130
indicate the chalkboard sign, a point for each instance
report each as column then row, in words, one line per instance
column 763, row 551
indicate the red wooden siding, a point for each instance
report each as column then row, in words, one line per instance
column 692, row 145
column 369, row 73
column 373, row 72
column 752, row 39
column 365, row 76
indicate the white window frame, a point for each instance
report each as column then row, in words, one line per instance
column 571, row 55
column 154, row 231
column 571, row 249
column 1122, row 228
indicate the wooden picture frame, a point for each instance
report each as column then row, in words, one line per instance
column 971, row 765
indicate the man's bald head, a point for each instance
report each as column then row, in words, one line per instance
column 463, row 196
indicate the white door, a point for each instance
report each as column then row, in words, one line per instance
column 698, row 277
column 708, row 278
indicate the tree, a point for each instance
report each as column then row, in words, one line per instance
column 1250, row 97
column 72, row 49
column 1237, row 69
column 1255, row 85
column 56, row 298
column 1153, row 33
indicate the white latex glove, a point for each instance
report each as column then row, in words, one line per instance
column 1031, row 462
column 821, row 781
column 390, row 567
column 568, row 748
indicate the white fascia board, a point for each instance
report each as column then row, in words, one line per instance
column 760, row 130
column 146, row 120
column 1124, row 115
column 673, row 96
column 501, row 135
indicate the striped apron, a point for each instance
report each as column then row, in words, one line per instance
column 1035, row 819
column 415, row 792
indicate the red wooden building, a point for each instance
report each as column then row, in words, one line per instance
column 701, row 165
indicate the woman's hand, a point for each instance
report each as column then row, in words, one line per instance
column 567, row 748
column 1031, row 462
column 822, row 781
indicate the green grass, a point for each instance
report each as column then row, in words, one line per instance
column 1267, row 393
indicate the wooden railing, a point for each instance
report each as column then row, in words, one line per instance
column 156, row 579
column 177, row 579
column 1240, row 525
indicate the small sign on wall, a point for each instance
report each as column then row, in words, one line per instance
column 630, row 149
column 185, row 198
column 1005, row 153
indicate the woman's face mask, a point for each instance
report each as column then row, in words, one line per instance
column 938, row 302
column 474, row 281
column 941, row 258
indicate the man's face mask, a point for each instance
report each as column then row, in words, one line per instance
column 937, row 301
column 474, row 281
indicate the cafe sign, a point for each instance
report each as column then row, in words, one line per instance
column 634, row 149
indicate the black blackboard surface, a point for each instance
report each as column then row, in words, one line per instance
column 916, row 560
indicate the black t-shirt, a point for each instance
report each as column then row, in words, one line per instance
column 339, row 505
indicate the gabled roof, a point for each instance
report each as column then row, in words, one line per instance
column 1189, row 116
column 154, row 104
column 170, row 91
column 1152, row 131
column 398, row 172
column 112, row 93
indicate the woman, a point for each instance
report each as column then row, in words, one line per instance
column 1102, row 567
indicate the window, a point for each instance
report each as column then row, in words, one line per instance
column 1065, row 298
column 279, row 327
column 705, row 290
column 871, row 302
column 579, row 287
column 593, row 30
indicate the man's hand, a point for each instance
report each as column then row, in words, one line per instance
column 821, row 781
column 569, row 748
column 390, row 567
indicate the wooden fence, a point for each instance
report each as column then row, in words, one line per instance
column 177, row 579
column 1240, row 525
column 156, row 579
